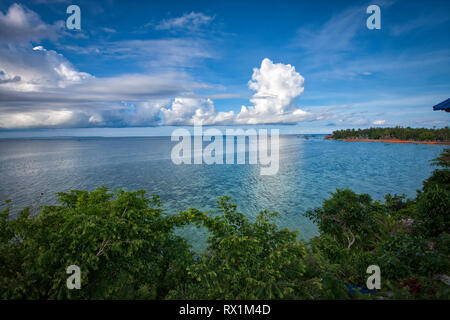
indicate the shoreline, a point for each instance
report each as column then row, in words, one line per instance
column 396, row 141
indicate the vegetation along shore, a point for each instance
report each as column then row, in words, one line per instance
column 395, row 135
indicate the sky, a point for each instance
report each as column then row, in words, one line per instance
column 146, row 68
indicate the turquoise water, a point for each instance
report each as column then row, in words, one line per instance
column 310, row 169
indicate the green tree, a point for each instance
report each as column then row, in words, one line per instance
column 350, row 218
column 122, row 242
column 244, row 259
column 433, row 211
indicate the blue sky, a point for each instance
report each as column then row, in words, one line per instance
column 138, row 68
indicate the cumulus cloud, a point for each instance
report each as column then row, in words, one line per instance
column 188, row 21
column 188, row 111
column 37, row 68
column 379, row 122
column 21, row 25
column 27, row 68
column 277, row 86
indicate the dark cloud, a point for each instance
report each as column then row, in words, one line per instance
column 6, row 79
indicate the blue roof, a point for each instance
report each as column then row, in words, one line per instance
column 444, row 105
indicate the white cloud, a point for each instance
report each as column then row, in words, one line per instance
column 152, row 53
column 41, row 88
column 37, row 68
column 64, row 97
column 41, row 115
column 26, row 68
column 109, row 30
column 143, row 113
column 47, row 118
column 21, row 25
column 188, row 21
column 189, row 111
column 6, row 78
column 379, row 122
column 277, row 86
column 334, row 36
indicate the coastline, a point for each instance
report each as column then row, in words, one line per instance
column 396, row 141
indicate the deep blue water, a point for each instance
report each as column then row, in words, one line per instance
column 310, row 169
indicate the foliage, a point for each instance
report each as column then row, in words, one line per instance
column 401, row 256
column 440, row 176
column 408, row 133
column 434, row 200
column 351, row 219
column 244, row 259
column 433, row 211
column 443, row 160
column 123, row 244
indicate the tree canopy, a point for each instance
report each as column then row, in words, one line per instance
column 401, row 133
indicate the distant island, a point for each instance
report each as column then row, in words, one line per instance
column 394, row 135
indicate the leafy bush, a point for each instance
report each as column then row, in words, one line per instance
column 121, row 241
column 401, row 256
column 350, row 218
column 433, row 211
column 244, row 259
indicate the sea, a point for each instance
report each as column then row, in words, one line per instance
column 311, row 167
